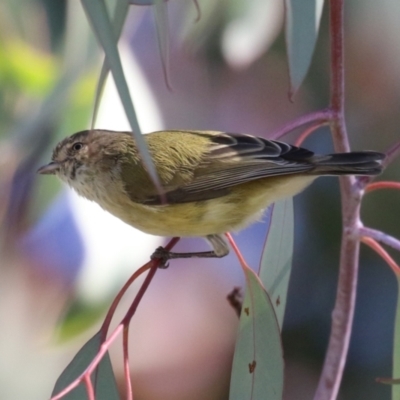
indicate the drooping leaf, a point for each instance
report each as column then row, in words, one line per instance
column 118, row 20
column 103, row 382
column 257, row 371
column 97, row 13
column 302, row 20
column 276, row 261
column 161, row 17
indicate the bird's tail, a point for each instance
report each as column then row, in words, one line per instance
column 354, row 163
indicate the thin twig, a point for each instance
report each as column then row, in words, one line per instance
column 304, row 135
column 374, row 245
column 89, row 388
column 380, row 237
column 107, row 320
column 321, row 116
column 392, row 153
column 382, row 185
column 106, row 343
column 132, row 309
column 127, row 372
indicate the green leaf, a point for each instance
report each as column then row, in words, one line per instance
column 120, row 13
column 161, row 17
column 104, row 381
column 276, row 261
column 96, row 11
column 302, row 19
column 257, row 371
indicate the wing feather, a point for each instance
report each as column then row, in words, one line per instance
column 234, row 159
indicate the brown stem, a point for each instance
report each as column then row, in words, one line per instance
column 321, row 116
column 342, row 316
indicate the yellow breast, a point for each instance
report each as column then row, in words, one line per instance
column 244, row 205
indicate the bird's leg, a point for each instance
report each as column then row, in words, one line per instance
column 218, row 243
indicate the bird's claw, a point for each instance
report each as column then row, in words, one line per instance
column 162, row 255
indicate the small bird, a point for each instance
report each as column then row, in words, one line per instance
column 214, row 182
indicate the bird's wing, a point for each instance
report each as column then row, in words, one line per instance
column 233, row 159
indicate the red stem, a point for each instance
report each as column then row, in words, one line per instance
column 106, row 343
column 85, row 376
column 383, row 253
column 304, row 135
column 382, row 185
column 127, row 372
column 153, row 269
column 107, row 320
column 89, row 388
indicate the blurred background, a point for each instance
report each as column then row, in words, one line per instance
column 63, row 259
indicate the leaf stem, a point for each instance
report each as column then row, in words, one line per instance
column 127, row 372
column 382, row 185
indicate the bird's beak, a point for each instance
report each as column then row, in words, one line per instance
column 49, row 169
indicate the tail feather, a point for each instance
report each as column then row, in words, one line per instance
column 354, row 163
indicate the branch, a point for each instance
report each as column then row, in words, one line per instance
column 123, row 326
column 392, row 153
column 343, row 313
column 322, row 116
column 380, row 237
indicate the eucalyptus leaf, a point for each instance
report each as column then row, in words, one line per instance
column 276, row 261
column 257, row 371
column 119, row 17
column 302, row 20
column 161, row 17
column 104, row 381
column 96, row 11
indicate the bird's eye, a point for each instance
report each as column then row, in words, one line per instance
column 77, row 146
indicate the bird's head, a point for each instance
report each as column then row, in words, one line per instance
column 85, row 155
